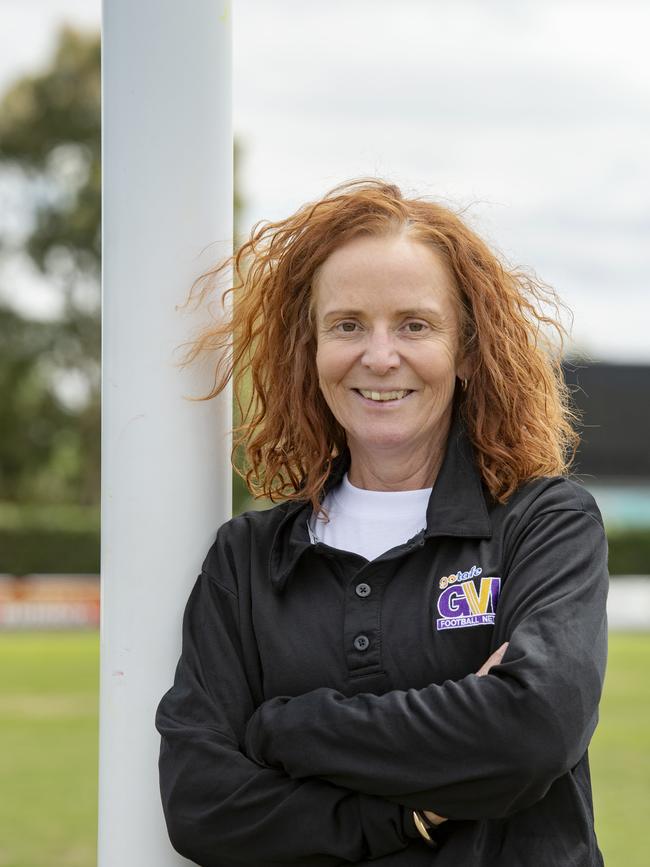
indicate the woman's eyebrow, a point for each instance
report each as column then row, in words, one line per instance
column 412, row 311
column 420, row 311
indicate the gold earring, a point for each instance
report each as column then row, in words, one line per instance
column 463, row 383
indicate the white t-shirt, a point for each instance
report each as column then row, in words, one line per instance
column 370, row 522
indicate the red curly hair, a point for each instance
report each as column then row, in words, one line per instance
column 516, row 406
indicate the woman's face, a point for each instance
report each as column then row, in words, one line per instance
column 387, row 321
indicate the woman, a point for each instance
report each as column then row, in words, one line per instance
column 401, row 662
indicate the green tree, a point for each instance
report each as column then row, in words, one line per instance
column 50, row 138
column 37, row 431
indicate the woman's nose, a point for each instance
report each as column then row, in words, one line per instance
column 380, row 353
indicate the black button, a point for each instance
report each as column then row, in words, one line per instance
column 363, row 589
column 361, row 642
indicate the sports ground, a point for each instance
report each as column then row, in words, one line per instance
column 49, row 737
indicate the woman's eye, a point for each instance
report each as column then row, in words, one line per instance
column 416, row 327
column 347, row 327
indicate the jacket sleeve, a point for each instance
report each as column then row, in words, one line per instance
column 479, row 747
column 222, row 808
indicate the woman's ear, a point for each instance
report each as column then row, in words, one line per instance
column 464, row 368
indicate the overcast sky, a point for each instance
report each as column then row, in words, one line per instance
column 534, row 114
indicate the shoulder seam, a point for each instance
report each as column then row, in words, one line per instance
column 582, row 510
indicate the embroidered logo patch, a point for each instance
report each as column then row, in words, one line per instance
column 462, row 604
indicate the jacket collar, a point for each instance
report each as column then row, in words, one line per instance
column 457, row 505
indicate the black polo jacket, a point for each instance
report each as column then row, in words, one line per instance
column 319, row 696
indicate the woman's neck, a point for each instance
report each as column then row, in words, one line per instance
column 406, row 474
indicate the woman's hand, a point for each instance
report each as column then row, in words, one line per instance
column 494, row 659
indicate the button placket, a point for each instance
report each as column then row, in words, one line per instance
column 362, row 621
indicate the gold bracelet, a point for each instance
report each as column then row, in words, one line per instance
column 419, row 824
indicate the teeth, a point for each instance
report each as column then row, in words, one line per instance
column 384, row 395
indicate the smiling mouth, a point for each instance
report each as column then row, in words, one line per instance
column 384, row 396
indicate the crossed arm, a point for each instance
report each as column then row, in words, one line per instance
column 479, row 747
column 221, row 808
column 320, row 779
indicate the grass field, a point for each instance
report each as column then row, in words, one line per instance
column 48, row 753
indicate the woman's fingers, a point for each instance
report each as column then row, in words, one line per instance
column 434, row 817
column 494, row 659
